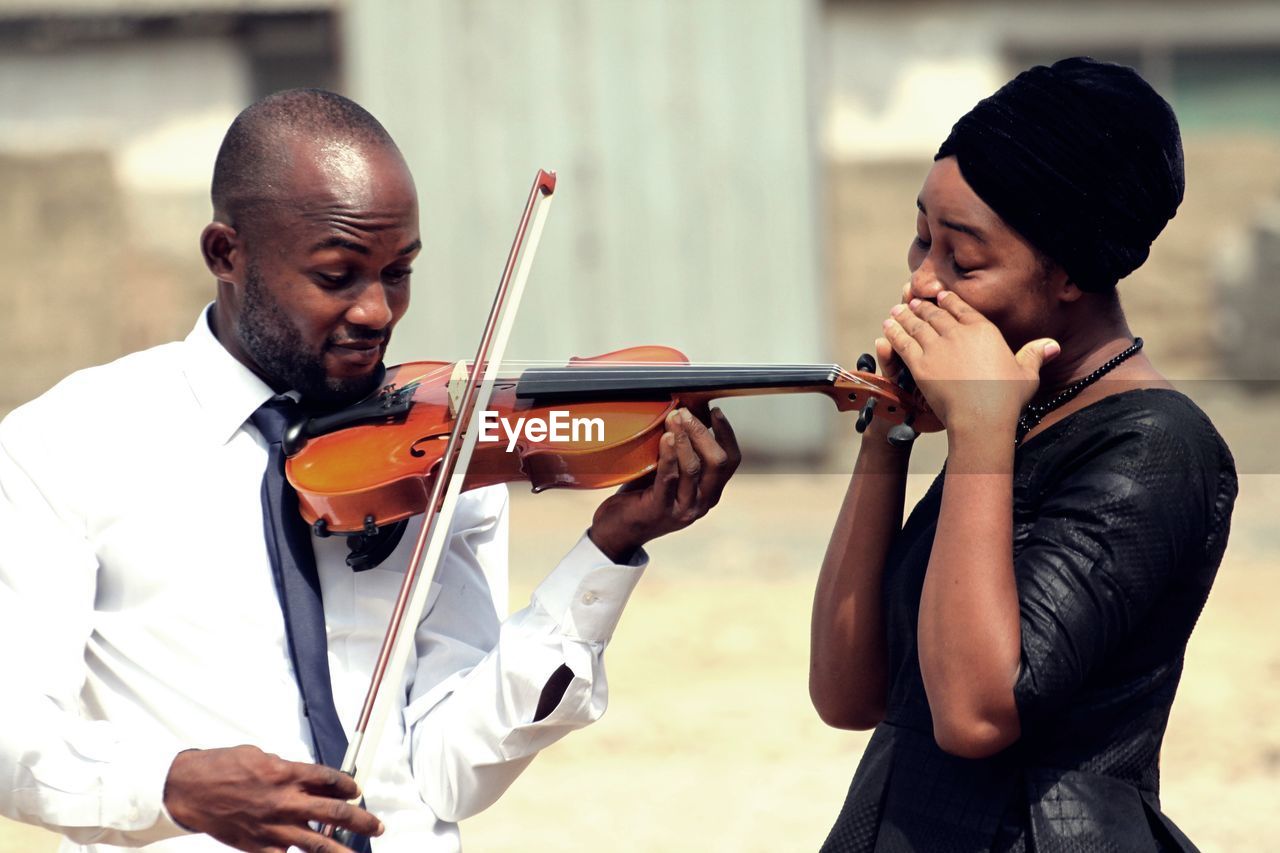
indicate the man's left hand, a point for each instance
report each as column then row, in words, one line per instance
column 694, row 464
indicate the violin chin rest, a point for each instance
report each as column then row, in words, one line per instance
column 368, row 551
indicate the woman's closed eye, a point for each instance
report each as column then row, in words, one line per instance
column 925, row 245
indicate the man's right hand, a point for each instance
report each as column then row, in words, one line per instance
column 261, row 803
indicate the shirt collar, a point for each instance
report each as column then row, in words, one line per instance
column 227, row 391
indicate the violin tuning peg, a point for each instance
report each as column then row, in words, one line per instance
column 866, row 364
column 902, row 435
column 865, row 416
column 906, row 381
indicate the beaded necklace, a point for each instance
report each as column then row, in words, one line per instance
column 1034, row 413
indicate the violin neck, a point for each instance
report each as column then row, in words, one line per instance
column 654, row 382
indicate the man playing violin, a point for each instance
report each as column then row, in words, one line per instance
column 159, row 693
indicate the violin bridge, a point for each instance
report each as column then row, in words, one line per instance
column 457, row 387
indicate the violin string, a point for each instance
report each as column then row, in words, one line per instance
column 755, row 367
column 630, row 366
column 621, row 371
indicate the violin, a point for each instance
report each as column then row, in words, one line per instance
column 590, row 424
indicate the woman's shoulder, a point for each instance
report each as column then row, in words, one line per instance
column 1152, row 444
column 1148, row 422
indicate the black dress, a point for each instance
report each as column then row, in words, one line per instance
column 1121, row 513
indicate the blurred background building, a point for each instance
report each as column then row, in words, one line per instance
column 737, row 176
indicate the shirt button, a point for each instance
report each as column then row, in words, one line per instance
column 590, row 597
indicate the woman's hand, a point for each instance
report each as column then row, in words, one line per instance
column 890, row 363
column 961, row 362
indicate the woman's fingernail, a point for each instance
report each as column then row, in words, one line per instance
column 943, row 294
column 897, row 309
column 914, row 303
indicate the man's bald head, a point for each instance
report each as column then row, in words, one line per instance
column 254, row 156
column 315, row 226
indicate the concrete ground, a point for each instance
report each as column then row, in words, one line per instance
column 710, row 743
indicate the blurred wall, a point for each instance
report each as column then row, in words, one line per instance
column 110, row 117
column 685, row 212
column 737, row 178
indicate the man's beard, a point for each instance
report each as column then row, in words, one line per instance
column 276, row 346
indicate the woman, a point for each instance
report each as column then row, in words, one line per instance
column 1017, row 643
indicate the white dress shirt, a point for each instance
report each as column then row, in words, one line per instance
column 138, row 618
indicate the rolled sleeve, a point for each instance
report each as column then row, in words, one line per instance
column 588, row 591
column 471, row 712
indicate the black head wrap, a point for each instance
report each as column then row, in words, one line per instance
column 1082, row 158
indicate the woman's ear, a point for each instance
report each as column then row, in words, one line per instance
column 223, row 255
column 1059, row 282
column 1069, row 291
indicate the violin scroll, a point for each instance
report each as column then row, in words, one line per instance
column 900, row 434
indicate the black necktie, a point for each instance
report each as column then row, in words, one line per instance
column 293, row 564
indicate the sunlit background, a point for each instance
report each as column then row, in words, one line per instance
column 737, row 178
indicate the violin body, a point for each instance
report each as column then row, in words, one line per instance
column 385, row 470
column 594, row 423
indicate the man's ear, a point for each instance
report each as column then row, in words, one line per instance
column 222, row 251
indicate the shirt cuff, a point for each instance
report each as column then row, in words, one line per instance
column 134, row 791
column 588, row 591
